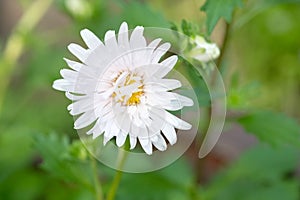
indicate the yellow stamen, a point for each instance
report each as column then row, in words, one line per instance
column 135, row 98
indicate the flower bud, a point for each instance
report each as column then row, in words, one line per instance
column 203, row 51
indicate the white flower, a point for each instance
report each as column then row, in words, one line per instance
column 204, row 51
column 118, row 87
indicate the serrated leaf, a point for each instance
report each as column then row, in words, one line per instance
column 186, row 28
column 58, row 160
column 215, row 9
column 273, row 128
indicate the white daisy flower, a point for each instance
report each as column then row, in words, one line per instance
column 119, row 91
column 204, row 51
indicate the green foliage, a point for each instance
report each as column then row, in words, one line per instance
column 241, row 96
column 215, row 9
column 274, row 128
column 260, row 173
column 174, row 182
column 258, row 7
column 188, row 28
column 272, row 59
column 135, row 12
column 64, row 160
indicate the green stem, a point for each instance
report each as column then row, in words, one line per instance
column 208, row 111
column 116, row 181
column 98, row 189
column 225, row 44
column 15, row 43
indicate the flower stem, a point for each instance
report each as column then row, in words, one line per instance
column 98, row 189
column 225, row 43
column 116, row 181
column 15, row 43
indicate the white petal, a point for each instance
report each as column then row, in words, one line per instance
column 107, row 138
column 148, row 70
column 100, row 111
column 168, row 65
column 154, row 43
column 63, row 85
column 69, row 74
column 121, row 138
column 134, row 130
column 159, row 142
column 168, row 100
column 185, row 101
column 90, row 39
column 97, row 133
column 123, row 122
column 78, row 51
column 74, row 97
column 133, row 141
column 84, row 120
column 146, row 145
column 137, row 39
column 169, row 133
column 82, row 76
column 108, row 135
column 170, row 84
column 78, row 87
column 108, row 117
column 156, row 121
column 73, row 64
column 100, row 57
column 80, row 106
column 97, row 129
column 157, row 99
column 115, row 130
column 111, row 41
column 176, row 122
column 173, row 105
column 162, row 85
column 175, row 101
column 85, row 105
column 159, row 52
column 123, row 40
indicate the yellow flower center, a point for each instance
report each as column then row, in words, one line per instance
column 128, row 98
column 134, row 99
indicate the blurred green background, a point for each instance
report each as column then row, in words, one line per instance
column 257, row 157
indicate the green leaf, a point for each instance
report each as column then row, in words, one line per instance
column 187, row 28
column 215, row 9
column 241, row 96
column 273, row 128
column 173, row 182
column 260, row 173
column 135, row 12
column 58, row 159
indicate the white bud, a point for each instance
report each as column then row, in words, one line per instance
column 204, row 51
